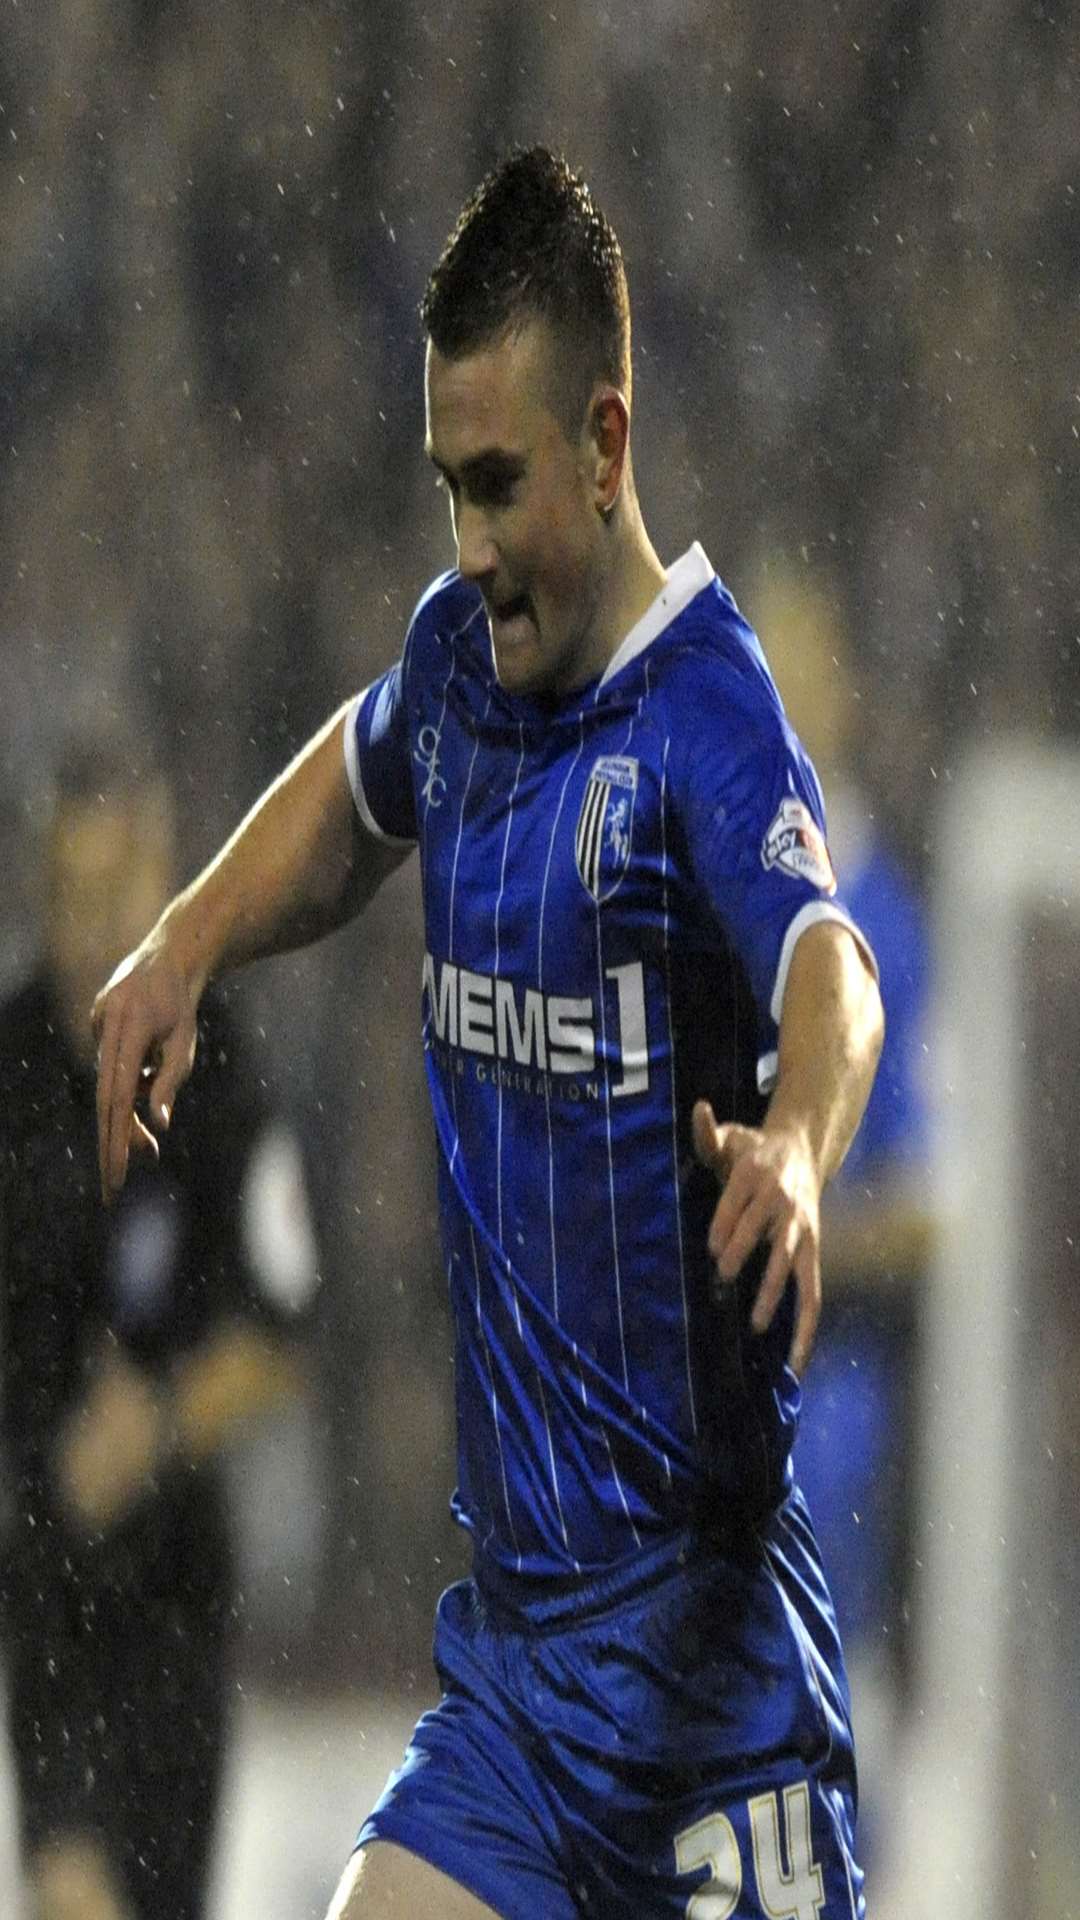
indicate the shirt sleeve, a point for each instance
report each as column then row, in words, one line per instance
column 378, row 759
column 755, row 823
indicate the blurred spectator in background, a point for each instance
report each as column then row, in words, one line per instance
column 855, row 1451
column 136, row 1343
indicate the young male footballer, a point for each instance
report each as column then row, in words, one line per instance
column 638, row 983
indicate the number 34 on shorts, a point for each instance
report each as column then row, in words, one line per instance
column 790, row 1886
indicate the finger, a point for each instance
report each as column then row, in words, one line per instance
column 120, row 1121
column 751, row 1225
column 732, row 1141
column 740, row 1189
column 808, row 1279
column 99, row 1012
column 107, row 1029
column 775, row 1278
column 703, row 1126
column 718, row 1145
column 141, row 1140
column 128, row 1053
column 175, row 1066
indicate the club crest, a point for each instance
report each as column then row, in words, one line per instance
column 605, row 824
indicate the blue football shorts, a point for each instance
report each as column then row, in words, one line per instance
column 675, row 1741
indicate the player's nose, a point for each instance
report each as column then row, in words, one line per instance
column 478, row 556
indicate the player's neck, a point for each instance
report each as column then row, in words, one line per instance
column 633, row 578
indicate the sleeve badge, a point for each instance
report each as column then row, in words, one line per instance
column 795, row 844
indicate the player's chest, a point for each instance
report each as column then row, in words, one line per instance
column 540, row 846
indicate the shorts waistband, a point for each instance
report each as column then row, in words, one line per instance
column 547, row 1604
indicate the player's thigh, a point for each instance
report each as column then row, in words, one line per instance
column 385, row 1882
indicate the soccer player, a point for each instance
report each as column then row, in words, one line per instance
column 638, row 981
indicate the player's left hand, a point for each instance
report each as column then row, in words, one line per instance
column 771, row 1191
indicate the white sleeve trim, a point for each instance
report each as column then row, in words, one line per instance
column 809, row 916
column 352, row 768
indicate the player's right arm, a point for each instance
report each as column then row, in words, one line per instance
column 298, row 866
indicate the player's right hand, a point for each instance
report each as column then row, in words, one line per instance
column 144, row 1025
column 771, row 1193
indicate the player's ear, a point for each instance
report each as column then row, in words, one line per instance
column 609, row 438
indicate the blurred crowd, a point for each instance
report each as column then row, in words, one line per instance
column 851, row 233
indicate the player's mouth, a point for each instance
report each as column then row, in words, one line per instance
column 512, row 619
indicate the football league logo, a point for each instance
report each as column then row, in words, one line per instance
column 795, row 844
column 605, row 823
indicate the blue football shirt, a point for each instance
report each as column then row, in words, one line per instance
column 613, row 885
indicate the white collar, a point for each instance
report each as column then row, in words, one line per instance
column 685, row 580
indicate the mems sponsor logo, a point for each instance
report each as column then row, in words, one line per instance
column 482, row 1014
column 545, row 1033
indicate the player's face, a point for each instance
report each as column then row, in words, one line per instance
column 523, row 504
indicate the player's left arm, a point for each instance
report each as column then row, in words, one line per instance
column 831, row 1030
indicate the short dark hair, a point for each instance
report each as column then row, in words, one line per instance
column 531, row 243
